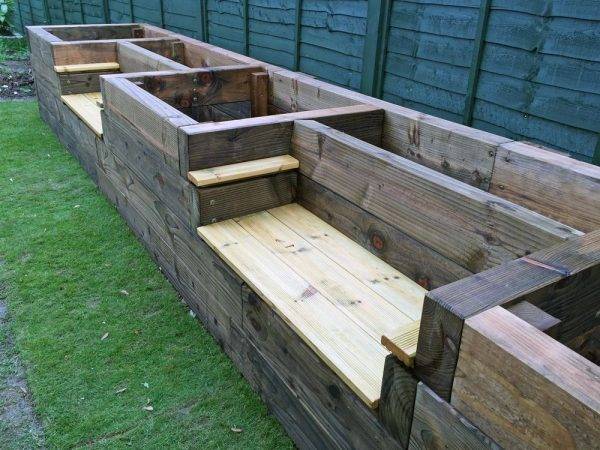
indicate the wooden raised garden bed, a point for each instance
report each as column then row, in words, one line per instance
column 382, row 278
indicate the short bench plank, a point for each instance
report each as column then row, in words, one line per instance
column 402, row 342
column 84, row 68
column 86, row 107
column 243, row 170
column 330, row 302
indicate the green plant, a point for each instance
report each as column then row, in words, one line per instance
column 6, row 9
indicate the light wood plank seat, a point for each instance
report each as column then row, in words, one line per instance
column 336, row 295
column 243, row 170
column 85, row 68
column 402, row 342
column 87, row 107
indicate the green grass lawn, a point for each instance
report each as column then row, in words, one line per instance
column 73, row 272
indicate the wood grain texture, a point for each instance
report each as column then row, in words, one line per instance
column 349, row 351
column 80, row 83
column 88, row 67
column 562, row 280
column 551, row 184
column 344, row 279
column 474, row 229
column 66, row 53
column 156, row 120
column 85, row 106
column 135, row 58
column 219, row 203
column 397, row 400
column 151, row 165
column 518, row 398
column 243, row 170
column 414, row 259
column 536, row 317
column 458, row 151
column 333, row 409
column 385, row 281
column 438, row 425
column 259, row 93
column 204, row 86
column 91, row 32
column 402, row 342
column 253, row 138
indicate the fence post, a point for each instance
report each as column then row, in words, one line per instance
column 47, row 12
column 162, row 13
column 64, row 14
column 81, row 11
column 245, row 29
column 297, row 33
column 21, row 19
column 106, row 11
column 378, row 24
column 596, row 155
column 478, row 44
column 31, row 12
column 204, row 20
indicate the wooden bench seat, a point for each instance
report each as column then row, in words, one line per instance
column 242, row 171
column 337, row 296
column 86, row 68
column 87, row 107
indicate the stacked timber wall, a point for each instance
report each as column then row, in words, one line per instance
column 482, row 222
column 524, row 70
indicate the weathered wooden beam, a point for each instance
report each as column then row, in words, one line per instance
column 536, row 317
column 325, row 406
column 551, row 184
column 224, row 202
column 563, row 280
column 437, row 424
column 204, row 86
column 397, row 399
column 104, row 50
column 134, row 58
column 90, row 32
column 259, row 94
column 154, row 119
column 501, row 374
column 473, row 228
column 152, row 166
column 461, row 152
column 261, row 137
column 411, row 257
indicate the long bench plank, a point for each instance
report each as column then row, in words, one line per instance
column 356, row 300
column 350, row 352
column 86, row 107
column 382, row 278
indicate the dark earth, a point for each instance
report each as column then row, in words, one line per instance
column 16, row 80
